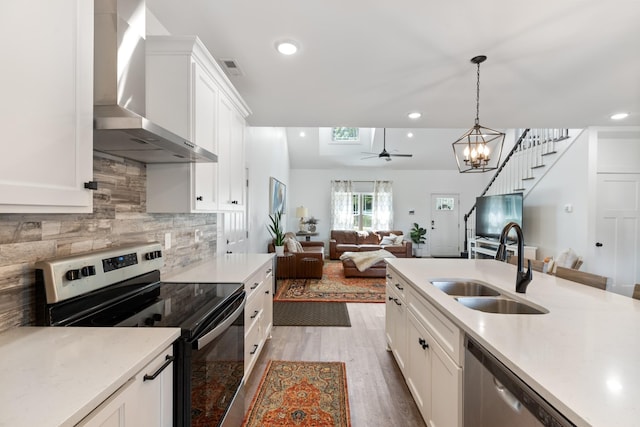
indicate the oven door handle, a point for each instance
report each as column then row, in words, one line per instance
column 218, row 330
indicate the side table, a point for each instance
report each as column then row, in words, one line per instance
column 286, row 266
column 307, row 235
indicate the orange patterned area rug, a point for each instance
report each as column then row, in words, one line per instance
column 333, row 287
column 301, row 394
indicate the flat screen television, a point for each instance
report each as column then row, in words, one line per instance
column 494, row 212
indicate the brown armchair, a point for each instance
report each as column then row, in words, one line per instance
column 300, row 265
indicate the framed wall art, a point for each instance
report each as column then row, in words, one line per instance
column 277, row 196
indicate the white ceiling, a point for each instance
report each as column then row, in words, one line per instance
column 569, row 63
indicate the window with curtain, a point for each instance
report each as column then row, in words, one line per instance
column 355, row 208
column 341, row 208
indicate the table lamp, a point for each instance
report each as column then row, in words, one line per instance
column 301, row 212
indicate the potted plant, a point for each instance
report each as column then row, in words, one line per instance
column 417, row 234
column 275, row 229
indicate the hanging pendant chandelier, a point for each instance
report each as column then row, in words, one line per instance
column 480, row 148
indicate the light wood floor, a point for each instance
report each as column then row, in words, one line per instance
column 378, row 395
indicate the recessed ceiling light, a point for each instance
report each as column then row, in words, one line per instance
column 410, row 135
column 287, row 47
column 414, row 115
column 302, row 134
column 619, row 116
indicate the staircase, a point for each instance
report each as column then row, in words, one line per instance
column 531, row 157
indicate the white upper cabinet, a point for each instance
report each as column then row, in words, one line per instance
column 47, row 106
column 188, row 94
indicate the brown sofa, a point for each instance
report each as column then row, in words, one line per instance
column 353, row 241
column 300, row 265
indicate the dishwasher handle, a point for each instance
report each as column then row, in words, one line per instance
column 507, row 396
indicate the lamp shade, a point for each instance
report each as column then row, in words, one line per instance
column 301, row 212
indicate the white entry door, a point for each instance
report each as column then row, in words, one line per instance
column 617, row 245
column 445, row 224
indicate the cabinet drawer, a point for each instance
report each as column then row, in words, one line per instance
column 253, row 308
column 264, row 274
column 443, row 330
column 397, row 283
column 253, row 343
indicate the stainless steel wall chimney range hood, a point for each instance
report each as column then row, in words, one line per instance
column 120, row 125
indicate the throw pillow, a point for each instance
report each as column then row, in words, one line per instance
column 290, row 244
column 299, row 247
column 387, row 240
column 397, row 240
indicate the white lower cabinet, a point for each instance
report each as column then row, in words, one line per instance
column 258, row 314
column 428, row 349
column 434, row 380
column 396, row 329
column 145, row 400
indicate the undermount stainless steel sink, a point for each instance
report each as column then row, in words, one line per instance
column 500, row 305
column 464, row 288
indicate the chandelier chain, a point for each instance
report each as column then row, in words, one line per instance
column 478, row 96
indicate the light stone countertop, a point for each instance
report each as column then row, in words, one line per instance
column 55, row 376
column 583, row 356
column 226, row 268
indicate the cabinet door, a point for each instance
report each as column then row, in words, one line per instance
column 204, row 122
column 446, row 390
column 47, row 108
column 419, row 360
column 396, row 327
column 237, row 184
column 225, row 114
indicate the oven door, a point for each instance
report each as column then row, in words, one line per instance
column 213, row 371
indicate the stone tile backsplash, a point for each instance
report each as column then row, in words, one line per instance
column 119, row 217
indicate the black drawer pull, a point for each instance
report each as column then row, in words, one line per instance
column 168, row 361
column 423, row 343
column 255, row 285
column 255, row 313
column 255, row 348
column 396, row 301
column 399, row 287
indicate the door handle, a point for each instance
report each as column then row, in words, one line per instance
column 598, row 245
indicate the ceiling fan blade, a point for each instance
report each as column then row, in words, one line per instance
column 369, row 152
column 401, row 155
column 369, row 157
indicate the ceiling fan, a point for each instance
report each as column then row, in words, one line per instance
column 384, row 154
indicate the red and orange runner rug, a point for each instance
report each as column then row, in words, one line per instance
column 301, row 394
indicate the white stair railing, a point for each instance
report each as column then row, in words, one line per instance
column 538, row 149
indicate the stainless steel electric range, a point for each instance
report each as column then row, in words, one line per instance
column 121, row 287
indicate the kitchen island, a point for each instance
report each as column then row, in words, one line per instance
column 582, row 356
column 54, row 376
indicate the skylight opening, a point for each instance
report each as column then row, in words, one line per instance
column 345, row 134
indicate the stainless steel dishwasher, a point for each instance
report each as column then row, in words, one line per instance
column 495, row 397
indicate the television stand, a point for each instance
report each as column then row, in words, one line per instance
column 481, row 247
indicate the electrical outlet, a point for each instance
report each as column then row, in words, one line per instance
column 167, row 241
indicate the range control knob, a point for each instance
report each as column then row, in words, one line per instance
column 73, row 274
column 88, row 270
column 149, row 321
column 157, row 317
column 153, row 255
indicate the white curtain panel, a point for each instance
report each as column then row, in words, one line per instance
column 382, row 218
column 341, row 205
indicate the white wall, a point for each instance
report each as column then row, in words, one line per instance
column 546, row 223
column 411, row 191
column 267, row 156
